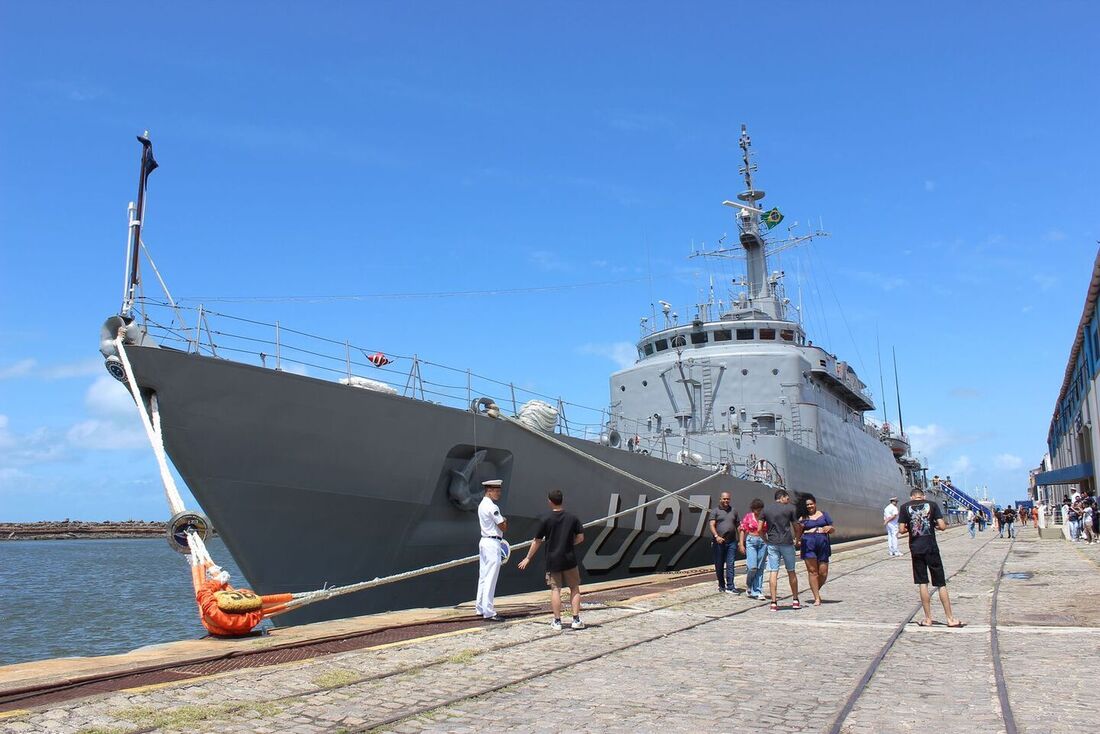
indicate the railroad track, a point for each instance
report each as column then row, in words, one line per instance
column 995, row 651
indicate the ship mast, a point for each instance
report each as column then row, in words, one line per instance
column 751, row 240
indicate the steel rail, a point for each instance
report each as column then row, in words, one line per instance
column 861, row 687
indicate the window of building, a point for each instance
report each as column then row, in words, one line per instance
column 699, row 337
column 768, row 334
column 723, row 335
column 787, row 335
column 661, row 345
column 744, row 335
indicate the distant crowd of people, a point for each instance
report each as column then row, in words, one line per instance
column 1081, row 512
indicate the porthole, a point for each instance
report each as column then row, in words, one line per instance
column 645, row 383
column 775, row 371
column 744, row 372
column 622, row 388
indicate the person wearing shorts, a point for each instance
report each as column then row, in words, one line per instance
column 561, row 531
column 817, row 526
column 782, row 531
column 920, row 518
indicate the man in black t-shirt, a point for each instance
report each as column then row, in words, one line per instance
column 920, row 518
column 562, row 532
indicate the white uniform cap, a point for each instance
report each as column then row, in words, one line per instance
column 492, row 483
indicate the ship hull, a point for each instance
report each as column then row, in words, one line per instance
column 313, row 483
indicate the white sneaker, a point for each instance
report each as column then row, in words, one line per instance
column 556, row 625
column 577, row 624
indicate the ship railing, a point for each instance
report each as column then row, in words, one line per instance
column 279, row 347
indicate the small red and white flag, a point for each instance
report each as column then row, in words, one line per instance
column 378, row 359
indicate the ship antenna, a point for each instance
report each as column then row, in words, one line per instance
column 881, row 380
column 897, row 391
column 747, row 166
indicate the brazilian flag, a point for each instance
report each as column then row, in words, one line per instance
column 771, row 218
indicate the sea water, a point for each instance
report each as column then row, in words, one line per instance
column 65, row 598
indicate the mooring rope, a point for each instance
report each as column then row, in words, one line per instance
column 175, row 502
column 309, row 597
column 610, row 467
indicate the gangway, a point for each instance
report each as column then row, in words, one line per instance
column 962, row 498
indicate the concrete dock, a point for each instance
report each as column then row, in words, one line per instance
column 666, row 653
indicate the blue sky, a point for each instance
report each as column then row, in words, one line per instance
column 352, row 149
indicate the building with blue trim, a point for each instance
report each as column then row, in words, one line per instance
column 1074, row 436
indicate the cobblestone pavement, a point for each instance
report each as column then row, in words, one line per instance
column 686, row 660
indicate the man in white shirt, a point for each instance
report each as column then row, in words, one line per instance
column 890, row 520
column 493, row 526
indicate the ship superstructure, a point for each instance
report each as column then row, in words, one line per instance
column 739, row 382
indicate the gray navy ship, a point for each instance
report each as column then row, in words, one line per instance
column 315, row 482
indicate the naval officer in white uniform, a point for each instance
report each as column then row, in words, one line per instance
column 493, row 525
column 890, row 520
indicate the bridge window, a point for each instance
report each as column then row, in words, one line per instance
column 768, row 334
column 723, row 335
column 648, row 348
column 699, row 337
column 661, row 345
column 744, row 335
column 787, row 335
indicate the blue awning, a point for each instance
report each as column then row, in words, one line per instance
column 1066, row 475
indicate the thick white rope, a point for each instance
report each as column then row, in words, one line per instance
column 151, row 420
column 175, row 502
column 309, row 597
column 610, row 467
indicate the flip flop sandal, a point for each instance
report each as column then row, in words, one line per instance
column 922, row 623
column 956, row 626
column 796, row 604
column 774, row 607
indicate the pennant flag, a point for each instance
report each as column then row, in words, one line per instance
column 148, row 162
column 771, row 218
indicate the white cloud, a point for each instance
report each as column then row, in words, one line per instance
column 929, row 185
column 108, row 435
column 109, row 398
column 548, row 261
column 880, row 280
column 928, row 440
column 960, row 467
column 1008, row 462
column 22, row 449
column 29, row 367
column 67, row 370
column 1045, row 282
column 114, row 422
column 22, row 368
column 624, row 354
